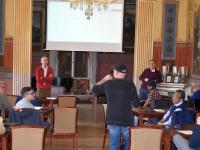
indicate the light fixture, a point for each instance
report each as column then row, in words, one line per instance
column 89, row 5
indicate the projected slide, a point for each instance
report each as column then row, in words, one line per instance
column 69, row 29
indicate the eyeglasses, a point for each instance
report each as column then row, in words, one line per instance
column 32, row 93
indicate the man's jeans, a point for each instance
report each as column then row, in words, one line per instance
column 181, row 143
column 115, row 132
column 143, row 94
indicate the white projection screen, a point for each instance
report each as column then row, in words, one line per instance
column 70, row 30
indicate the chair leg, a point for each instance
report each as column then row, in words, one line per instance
column 52, row 144
column 104, row 139
column 73, row 141
column 76, row 142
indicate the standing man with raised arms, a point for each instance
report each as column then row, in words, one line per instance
column 121, row 95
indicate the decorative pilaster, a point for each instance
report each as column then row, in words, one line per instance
column 22, row 44
column 145, row 10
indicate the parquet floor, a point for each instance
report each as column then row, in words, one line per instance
column 90, row 133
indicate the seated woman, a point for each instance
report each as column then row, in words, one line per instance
column 193, row 143
column 152, row 96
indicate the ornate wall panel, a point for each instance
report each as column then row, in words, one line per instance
column 145, row 10
column 22, row 44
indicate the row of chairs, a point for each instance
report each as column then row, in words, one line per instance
column 63, row 101
column 64, row 123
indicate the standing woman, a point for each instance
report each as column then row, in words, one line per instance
column 44, row 78
column 151, row 73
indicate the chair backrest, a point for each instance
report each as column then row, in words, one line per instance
column 27, row 137
column 67, row 101
column 141, row 138
column 12, row 99
column 65, row 120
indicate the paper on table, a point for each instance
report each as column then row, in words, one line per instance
column 187, row 132
column 159, row 110
column 38, row 108
column 51, row 98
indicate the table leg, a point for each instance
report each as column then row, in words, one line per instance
column 141, row 121
column 4, row 142
column 94, row 103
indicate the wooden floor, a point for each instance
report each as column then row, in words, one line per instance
column 90, row 133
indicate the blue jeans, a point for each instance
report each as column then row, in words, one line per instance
column 115, row 132
column 143, row 94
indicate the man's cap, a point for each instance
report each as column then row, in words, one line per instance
column 121, row 68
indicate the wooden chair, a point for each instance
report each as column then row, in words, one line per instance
column 67, row 101
column 105, row 129
column 143, row 138
column 12, row 99
column 27, row 137
column 65, row 124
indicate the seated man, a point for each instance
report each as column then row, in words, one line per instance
column 28, row 95
column 196, row 91
column 35, row 102
column 177, row 100
column 4, row 103
column 193, row 143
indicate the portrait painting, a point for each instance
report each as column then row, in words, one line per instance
column 196, row 48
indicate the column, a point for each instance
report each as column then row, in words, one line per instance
column 145, row 10
column 22, row 44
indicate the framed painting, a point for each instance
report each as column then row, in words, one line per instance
column 169, row 30
column 196, row 47
column 1, row 26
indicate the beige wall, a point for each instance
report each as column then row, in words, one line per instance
column 9, row 18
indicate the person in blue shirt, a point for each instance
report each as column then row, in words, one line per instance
column 193, row 143
column 178, row 106
column 196, row 91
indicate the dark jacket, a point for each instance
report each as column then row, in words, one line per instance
column 194, row 141
column 120, row 95
column 147, row 73
column 25, row 116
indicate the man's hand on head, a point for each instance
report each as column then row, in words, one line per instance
column 108, row 77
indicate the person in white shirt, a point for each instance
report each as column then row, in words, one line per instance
column 28, row 95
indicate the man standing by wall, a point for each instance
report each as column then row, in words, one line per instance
column 44, row 78
column 121, row 95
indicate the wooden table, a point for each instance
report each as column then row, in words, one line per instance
column 170, row 131
column 141, row 113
